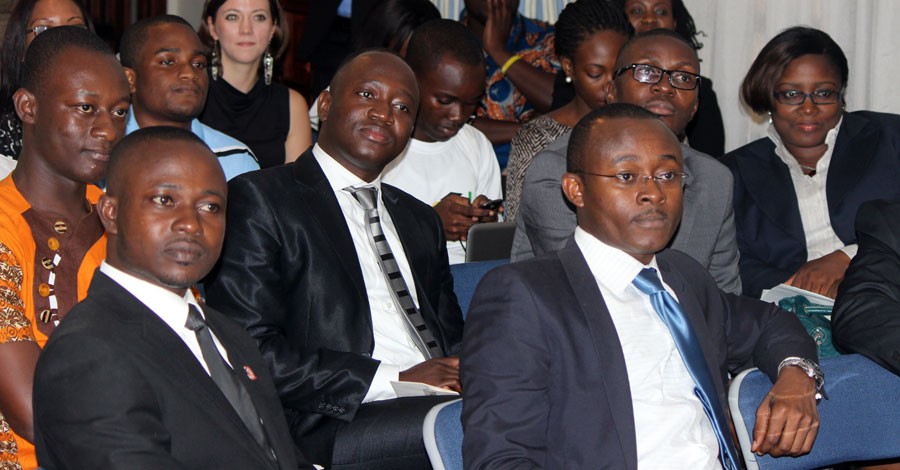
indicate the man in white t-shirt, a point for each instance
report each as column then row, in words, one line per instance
column 448, row 163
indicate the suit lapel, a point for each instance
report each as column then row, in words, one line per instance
column 696, row 317
column 691, row 204
column 324, row 207
column 855, row 148
column 174, row 357
column 779, row 204
column 610, row 359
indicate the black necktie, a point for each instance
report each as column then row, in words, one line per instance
column 686, row 341
column 224, row 377
column 367, row 197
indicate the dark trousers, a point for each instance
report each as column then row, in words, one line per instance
column 385, row 435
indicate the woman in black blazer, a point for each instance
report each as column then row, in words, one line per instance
column 797, row 191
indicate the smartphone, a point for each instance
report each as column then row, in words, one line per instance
column 492, row 205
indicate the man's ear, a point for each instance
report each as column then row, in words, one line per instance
column 108, row 210
column 132, row 79
column 573, row 188
column 324, row 104
column 25, row 105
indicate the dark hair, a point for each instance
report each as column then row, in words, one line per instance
column 280, row 39
column 759, row 84
column 137, row 34
column 581, row 19
column 392, row 21
column 13, row 53
column 581, row 134
column 123, row 152
column 435, row 39
column 666, row 33
column 43, row 51
column 684, row 22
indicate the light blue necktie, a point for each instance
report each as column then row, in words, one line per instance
column 686, row 340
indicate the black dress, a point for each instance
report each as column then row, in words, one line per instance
column 261, row 118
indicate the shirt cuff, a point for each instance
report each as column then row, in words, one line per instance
column 850, row 250
column 381, row 388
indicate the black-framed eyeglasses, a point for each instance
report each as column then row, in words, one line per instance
column 44, row 27
column 651, row 75
column 797, row 97
column 627, row 178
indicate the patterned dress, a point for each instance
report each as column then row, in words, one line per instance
column 533, row 137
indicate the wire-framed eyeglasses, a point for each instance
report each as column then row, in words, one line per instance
column 797, row 97
column 627, row 178
column 651, row 75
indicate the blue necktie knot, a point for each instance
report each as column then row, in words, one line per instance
column 647, row 281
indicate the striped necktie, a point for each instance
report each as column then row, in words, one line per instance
column 688, row 345
column 367, row 197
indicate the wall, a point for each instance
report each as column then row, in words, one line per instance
column 190, row 10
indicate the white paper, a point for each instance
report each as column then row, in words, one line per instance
column 419, row 389
column 775, row 294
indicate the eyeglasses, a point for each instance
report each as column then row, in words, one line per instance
column 44, row 27
column 651, row 75
column 629, row 179
column 797, row 98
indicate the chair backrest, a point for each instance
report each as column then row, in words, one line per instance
column 860, row 420
column 443, row 435
column 490, row 241
column 466, row 277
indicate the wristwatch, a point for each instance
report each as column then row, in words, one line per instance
column 812, row 370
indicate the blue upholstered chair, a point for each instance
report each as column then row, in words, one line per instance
column 466, row 277
column 860, row 421
column 443, row 436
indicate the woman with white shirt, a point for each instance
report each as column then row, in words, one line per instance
column 797, row 191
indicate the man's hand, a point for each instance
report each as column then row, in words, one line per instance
column 501, row 14
column 457, row 215
column 440, row 372
column 823, row 275
column 787, row 420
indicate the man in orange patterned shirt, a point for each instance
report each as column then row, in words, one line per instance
column 73, row 104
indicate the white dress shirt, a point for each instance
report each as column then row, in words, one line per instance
column 671, row 426
column 821, row 239
column 393, row 345
column 169, row 307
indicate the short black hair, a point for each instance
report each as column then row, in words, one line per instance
column 137, row 34
column 49, row 45
column 123, row 153
column 437, row 38
column 392, row 21
column 580, row 139
column 758, row 87
column 654, row 33
column 13, row 50
column 581, row 19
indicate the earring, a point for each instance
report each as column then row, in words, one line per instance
column 214, row 65
column 568, row 79
column 770, row 117
column 268, row 64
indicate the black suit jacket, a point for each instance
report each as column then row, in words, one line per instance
column 865, row 165
column 866, row 316
column 115, row 387
column 290, row 274
column 543, row 372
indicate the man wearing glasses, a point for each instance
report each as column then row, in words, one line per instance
column 614, row 351
column 658, row 71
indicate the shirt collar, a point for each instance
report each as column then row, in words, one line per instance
column 338, row 176
column 171, row 307
column 613, row 268
column 789, row 159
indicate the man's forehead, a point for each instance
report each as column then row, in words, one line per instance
column 654, row 47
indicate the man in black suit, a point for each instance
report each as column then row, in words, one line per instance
column 301, row 273
column 569, row 362
column 124, row 382
column 866, row 318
